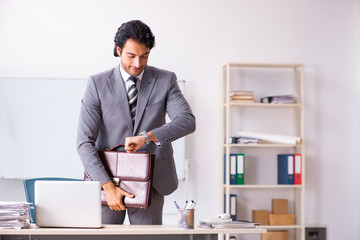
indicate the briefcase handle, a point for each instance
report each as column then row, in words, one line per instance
column 112, row 149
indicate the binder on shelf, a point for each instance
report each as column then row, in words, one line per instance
column 233, row 206
column 240, row 168
column 224, row 168
column 233, row 176
column 298, row 169
column 285, row 168
column 232, row 168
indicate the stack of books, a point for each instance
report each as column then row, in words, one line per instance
column 242, row 97
column 14, row 215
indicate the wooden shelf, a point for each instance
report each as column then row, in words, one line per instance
column 121, row 230
column 263, row 186
column 263, row 65
column 264, row 105
column 278, row 227
column 235, row 115
column 263, row 145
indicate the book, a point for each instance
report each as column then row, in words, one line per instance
column 242, row 97
column 241, row 93
column 285, row 168
column 243, row 101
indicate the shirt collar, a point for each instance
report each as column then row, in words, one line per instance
column 126, row 76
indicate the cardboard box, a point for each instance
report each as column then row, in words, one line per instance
column 275, row 235
column 279, row 206
column 282, row 219
column 261, row 216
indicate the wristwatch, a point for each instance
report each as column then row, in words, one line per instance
column 144, row 134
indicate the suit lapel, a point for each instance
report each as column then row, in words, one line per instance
column 146, row 86
column 117, row 86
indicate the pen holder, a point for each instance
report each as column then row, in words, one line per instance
column 186, row 218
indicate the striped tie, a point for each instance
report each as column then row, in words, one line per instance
column 132, row 95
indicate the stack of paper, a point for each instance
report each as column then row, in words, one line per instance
column 279, row 99
column 244, row 140
column 14, row 215
column 227, row 224
column 271, row 137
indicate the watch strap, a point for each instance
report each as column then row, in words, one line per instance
column 144, row 134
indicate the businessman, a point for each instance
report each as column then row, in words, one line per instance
column 127, row 104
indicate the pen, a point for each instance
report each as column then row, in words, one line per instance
column 176, row 205
column 192, row 205
column 186, row 203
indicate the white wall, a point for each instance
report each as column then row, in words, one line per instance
column 194, row 38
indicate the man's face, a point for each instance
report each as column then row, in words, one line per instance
column 134, row 56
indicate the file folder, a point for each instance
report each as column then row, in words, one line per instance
column 233, row 206
column 232, row 168
column 232, row 201
column 285, row 168
column 240, row 168
column 298, row 168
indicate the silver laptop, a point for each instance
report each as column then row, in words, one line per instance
column 67, row 204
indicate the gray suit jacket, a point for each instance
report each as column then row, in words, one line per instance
column 105, row 121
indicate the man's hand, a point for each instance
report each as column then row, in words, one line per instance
column 132, row 144
column 114, row 196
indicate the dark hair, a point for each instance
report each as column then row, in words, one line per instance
column 136, row 30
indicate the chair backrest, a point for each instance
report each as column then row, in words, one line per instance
column 29, row 191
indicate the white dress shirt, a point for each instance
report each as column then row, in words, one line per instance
column 126, row 76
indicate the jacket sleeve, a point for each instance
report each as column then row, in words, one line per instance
column 178, row 109
column 87, row 133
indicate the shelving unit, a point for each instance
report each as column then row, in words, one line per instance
column 234, row 75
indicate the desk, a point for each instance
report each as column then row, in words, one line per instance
column 122, row 232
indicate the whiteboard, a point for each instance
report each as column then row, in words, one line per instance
column 38, row 126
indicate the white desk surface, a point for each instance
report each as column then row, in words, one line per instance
column 127, row 230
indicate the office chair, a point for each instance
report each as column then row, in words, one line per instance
column 30, row 195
